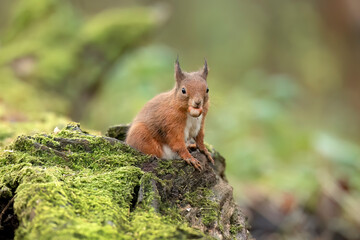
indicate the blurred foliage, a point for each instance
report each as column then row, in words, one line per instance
column 50, row 46
column 136, row 79
column 280, row 111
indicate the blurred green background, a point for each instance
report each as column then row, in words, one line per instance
column 284, row 89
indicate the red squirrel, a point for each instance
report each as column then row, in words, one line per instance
column 169, row 121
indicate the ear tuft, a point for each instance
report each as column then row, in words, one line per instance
column 205, row 70
column 179, row 75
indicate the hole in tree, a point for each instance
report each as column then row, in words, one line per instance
column 134, row 199
column 8, row 220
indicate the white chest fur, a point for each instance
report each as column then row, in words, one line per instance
column 191, row 130
column 168, row 153
column 192, row 127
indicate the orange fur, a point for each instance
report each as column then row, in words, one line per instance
column 163, row 119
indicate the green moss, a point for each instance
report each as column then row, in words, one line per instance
column 77, row 150
column 62, row 202
column 203, row 198
column 5, row 192
column 234, row 229
column 210, row 147
column 84, row 186
column 151, row 225
column 221, row 228
column 165, row 166
column 149, row 195
column 172, row 212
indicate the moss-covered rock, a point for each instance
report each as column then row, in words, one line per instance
column 71, row 184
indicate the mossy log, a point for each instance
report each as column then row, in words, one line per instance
column 72, row 185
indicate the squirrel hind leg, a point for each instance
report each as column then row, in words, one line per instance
column 141, row 139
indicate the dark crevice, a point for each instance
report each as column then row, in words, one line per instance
column 135, row 197
column 8, row 219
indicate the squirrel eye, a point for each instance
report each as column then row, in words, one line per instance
column 183, row 90
column 207, row 90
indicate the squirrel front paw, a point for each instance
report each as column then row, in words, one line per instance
column 208, row 155
column 196, row 164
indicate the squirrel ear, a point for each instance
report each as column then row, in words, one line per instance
column 205, row 70
column 179, row 75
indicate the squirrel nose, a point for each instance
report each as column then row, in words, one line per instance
column 197, row 103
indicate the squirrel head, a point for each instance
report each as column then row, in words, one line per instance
column 191, row 89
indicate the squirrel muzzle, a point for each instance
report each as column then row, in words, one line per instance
column 195, row 112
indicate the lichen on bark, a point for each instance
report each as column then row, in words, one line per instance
column 72, row 184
